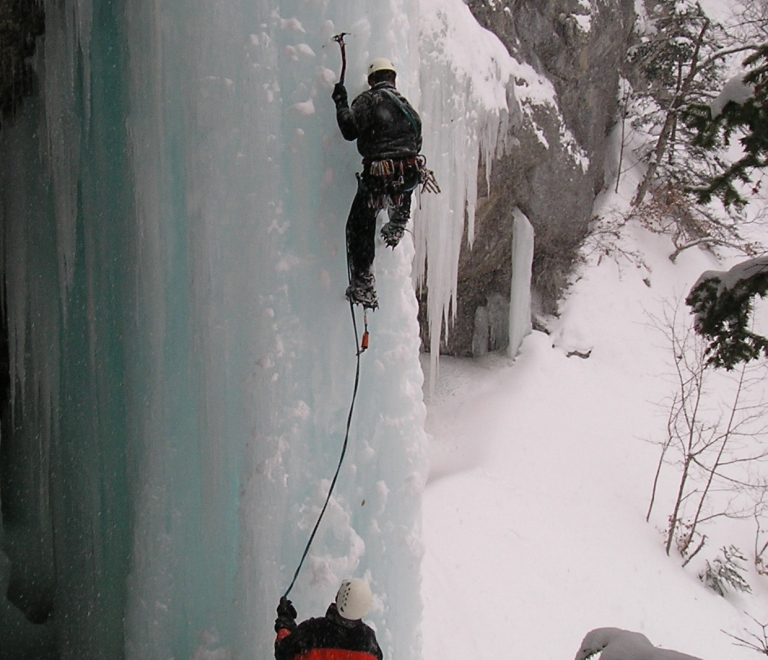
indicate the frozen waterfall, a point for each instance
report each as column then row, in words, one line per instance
column 173, row 204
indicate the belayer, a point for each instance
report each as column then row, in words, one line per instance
column 339, row 635
column 388, row 134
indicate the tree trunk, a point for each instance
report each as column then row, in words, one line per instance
column 670, row 120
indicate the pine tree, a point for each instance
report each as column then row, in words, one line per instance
column 722, row 303
column 749, row 119
column 673, row 66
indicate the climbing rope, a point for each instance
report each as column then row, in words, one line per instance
column 359, row 351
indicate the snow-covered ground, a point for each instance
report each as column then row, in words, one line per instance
column 541, row 474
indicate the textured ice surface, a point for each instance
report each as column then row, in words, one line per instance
column 174, row 207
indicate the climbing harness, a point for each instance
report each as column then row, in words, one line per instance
column 384, row 180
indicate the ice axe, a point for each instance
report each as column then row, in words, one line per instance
column 339, row 39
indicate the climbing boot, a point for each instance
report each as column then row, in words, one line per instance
column 392, row 232
column 361, row 292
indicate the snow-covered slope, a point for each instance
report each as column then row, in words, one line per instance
column 541, row 474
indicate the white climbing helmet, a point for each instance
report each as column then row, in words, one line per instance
column 380, row 64
column 353, row 599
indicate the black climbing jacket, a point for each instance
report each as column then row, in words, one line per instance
column 382, row 121
column 331, row 637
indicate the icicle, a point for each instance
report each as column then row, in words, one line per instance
column 467, row 104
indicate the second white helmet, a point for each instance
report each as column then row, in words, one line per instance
column 380, row 64
column 353, row 600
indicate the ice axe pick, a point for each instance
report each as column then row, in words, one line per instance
column 339, row 39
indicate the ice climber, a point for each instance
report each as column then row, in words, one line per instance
column 388, row 134
column 339, row 635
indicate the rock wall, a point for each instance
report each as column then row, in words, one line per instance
column 580, row 46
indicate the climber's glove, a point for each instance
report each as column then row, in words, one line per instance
column 286, row 615
column 339, row 95
column 286, row 609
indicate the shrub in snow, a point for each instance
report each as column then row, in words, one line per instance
column 725, row 572
column 688, row 541
column 713, row 438
column 751, row 640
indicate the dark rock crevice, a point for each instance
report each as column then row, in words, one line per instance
column 21, row 22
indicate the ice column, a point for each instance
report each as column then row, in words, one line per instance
column 243, row 346
column 520, row 296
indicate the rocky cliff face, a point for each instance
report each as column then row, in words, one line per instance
column 555, row 168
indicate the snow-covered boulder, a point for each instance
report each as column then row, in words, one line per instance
column 618, row 644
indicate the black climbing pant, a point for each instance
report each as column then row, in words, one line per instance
column 373, row 194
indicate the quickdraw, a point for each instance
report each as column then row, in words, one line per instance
column 386, row 181
column 384, row 168
column 427, row 177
